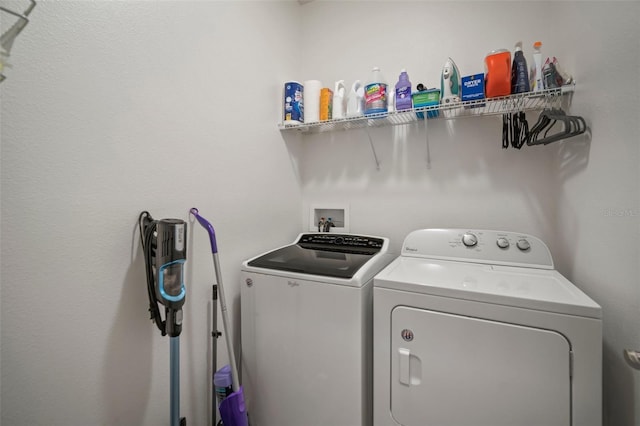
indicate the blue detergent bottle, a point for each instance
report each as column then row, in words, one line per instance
column 403, row 92
column 375, row 93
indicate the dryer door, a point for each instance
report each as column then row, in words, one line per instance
column 452, row 370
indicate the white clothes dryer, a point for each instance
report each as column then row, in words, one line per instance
column 307, row 330
column 477, row 328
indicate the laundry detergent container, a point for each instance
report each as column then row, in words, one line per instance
column 497, row 81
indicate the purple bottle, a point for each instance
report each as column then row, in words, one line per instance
column 403, row 92
column 222, row 383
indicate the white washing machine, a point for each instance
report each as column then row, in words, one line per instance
column 306, row 311
column 477, row 328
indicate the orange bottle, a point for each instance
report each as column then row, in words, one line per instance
column 497, row 79
column 326, row 104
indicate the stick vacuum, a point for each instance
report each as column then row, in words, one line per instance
column 164, row 243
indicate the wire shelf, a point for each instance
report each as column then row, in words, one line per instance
column 484, row 107
column 9, row 36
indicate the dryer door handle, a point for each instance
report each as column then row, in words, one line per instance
column 409, row 368
column 632, row 358
column 404, row 373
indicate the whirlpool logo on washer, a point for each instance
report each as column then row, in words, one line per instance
column 407, row 248
column 293, row 284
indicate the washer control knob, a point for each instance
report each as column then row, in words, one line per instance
column 523, row 244
column 502, row 242
column 469, row 240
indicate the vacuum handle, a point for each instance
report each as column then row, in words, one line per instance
column 173, row 319
column 206, row 225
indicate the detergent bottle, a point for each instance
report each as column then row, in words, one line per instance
column 222, row 383
column 519, row 72
column 339, row 100
column 355, row 101
column 497, row 73
column 375, row 93
column 403, row 92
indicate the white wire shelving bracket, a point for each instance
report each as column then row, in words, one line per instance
column 8, row 37
column 529, row 101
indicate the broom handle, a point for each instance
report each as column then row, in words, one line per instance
column 223, row 304
column 225, row 324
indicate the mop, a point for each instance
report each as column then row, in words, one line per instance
column 232, row 409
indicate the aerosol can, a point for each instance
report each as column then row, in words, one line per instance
column 450, row 83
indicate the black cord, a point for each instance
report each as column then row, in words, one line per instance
column 147, row 228
column 144, row 215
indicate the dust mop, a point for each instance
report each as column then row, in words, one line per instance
column 232, row 409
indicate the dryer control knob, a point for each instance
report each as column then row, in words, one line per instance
column 502, row 242
column 523, row 244
column 469, row 240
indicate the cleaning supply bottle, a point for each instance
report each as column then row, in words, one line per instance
column 497, row 73
column 355, row 100
column 519, row 72
column 222, row 383
column 403, row 92
column 339, row 100
column 536, row 68
column 375, row 93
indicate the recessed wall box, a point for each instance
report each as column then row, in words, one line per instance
column 336, row 215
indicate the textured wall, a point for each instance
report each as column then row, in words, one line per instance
column 580, row 196
column 112, row 108
column 599, row 197
column 472, row 182
column 116, row 107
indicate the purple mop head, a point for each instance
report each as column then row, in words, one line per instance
column 233, row 410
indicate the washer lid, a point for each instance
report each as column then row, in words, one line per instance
column 538, row 289
column 330, row 255
column 343, row 259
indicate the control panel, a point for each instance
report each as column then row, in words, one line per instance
column 469, row 239
column 481, row 246
column 340, row 241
